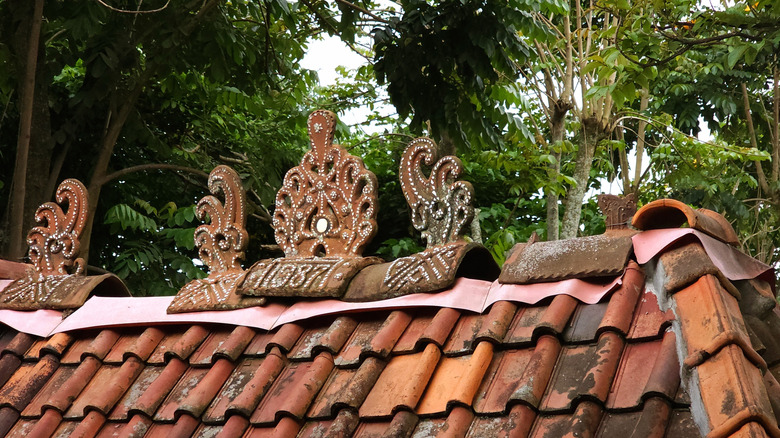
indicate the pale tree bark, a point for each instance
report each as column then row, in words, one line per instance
column 762, row 181
column 640, row 143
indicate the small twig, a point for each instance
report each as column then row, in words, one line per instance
column 126, row 11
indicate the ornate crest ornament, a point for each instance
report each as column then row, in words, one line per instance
column 56, row 280
column 441, row 206
column 327, row 204
column 221, row 246
column 442, row 211
column 325, row 215
column 618, row 210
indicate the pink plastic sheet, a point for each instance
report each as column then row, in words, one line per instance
column 590, row 293
column 37, row 322
column 4, row 284
column 466, row 294
column 113, row 312
column 732, row 263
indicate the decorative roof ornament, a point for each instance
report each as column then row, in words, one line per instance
column 57, row 280
column 618, row 210
column 221, row 245
column 325, row 215
column 442, row 211
column 441, row 206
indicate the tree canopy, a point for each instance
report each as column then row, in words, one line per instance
column 545, row 102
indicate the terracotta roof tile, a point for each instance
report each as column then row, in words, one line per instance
column 139, row 344
column 185, row 344
column 504, row 373
column 154, row 395
column 402, row 383
column 264, row 376
column 456, row 380
column 9, row 363
column 26, row 381
column 148, row 375
column 649, row 321
column 377, row 337
column 205, row 352
column 238, row 380
column 408, row 340
column 106, row 388
column 294, row 390
column 199, row 397
column 346, row 388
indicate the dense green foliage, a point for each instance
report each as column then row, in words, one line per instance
column 141, row 104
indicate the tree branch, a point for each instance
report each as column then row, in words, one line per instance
column 152, row 166
column 753, row 142
column 363, row 11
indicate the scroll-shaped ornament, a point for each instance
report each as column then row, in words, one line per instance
column 57, row 280
column 441, row 205
column 325, row 215
column 442, row 211
column 221, row 245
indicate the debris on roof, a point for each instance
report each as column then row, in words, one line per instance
column 56, row 279
column 325, row 215
column 221, row 246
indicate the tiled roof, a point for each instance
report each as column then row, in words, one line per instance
column 661, row 332
column 556, row 368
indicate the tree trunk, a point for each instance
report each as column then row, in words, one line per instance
column 557, row 131
column 591, row 133
column 33, row 110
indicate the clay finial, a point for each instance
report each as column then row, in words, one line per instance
column 441, row 206
column 327, row 205
column 54, row 245
column 221, row 243
column 618, row 210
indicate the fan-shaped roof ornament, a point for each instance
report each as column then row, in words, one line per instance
column 325, row 216
column 57, row 279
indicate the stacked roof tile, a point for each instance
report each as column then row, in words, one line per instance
column 666, row 332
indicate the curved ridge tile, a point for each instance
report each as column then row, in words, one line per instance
column 670, row 213
column 711, row 319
